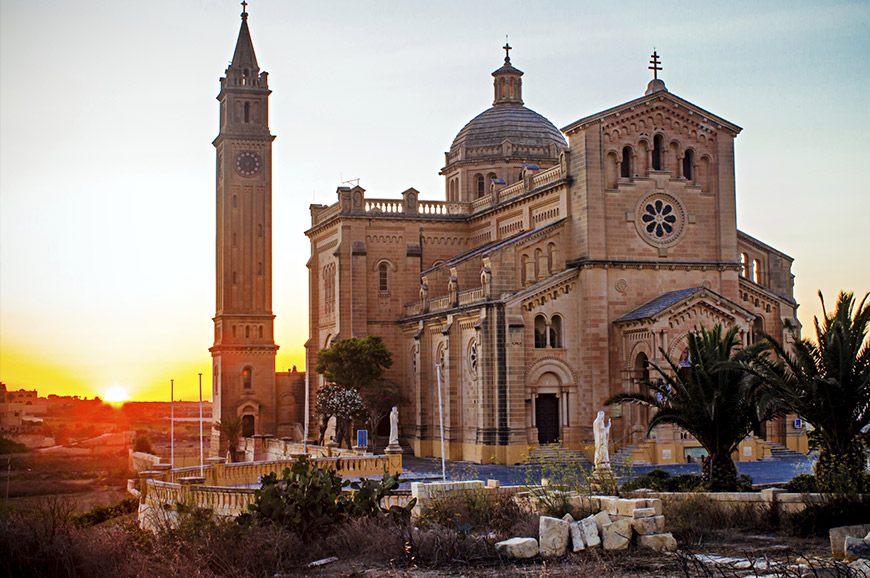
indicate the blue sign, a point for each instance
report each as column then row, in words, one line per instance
column 362, row 438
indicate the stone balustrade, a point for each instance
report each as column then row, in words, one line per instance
column 512, row 191
column 546, row 177
column 471, row 296
column 467, row 297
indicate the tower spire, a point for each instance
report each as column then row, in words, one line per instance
column 244, row 56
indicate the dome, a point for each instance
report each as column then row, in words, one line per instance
column 523, row 127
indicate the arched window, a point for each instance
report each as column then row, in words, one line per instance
column 481, row 186
column 260, row 231
column 744, row 264
column 688, row 164
column 247, row 112
column 524, row 267
column 552, row 257
column 234, row 330
column 625, row 169
column 261, row 331
column 540, row 332
column 610, row 170
column 556, row 331
column 756, row 271
column 260, row 268
column 658, row 152
column 383, row 285
column 234, row 277
column 235, row 201
column 757, row 328
column 247, row 331
column 247, row 378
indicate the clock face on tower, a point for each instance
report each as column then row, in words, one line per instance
column 248, row 164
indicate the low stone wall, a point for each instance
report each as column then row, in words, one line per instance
column 228, row 489
column 785, row 502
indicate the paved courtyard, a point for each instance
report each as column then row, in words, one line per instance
column 422, row 469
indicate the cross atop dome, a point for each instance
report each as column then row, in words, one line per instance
column 508, row 80
column 244, row 10
column 507, row 50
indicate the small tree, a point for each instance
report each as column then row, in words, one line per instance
column 354, row 363
column 354, row 370
column 345, row 405
column 232, row 430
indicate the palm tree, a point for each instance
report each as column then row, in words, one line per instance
column 232, row 430
column 708, row 399
column 827, row 383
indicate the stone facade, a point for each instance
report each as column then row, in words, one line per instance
column 558, row 266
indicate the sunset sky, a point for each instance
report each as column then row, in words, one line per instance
column 108, row 110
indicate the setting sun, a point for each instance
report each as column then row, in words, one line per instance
column 116, row 393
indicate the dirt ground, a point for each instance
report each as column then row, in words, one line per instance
column 729, row 555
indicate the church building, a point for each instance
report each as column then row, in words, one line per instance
column 557, row 266
column 559, row 263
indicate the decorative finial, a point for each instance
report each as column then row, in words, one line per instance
column 655, row 65
column 244, row 10
column 507, row 50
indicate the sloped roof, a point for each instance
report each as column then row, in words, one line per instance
column 659, row 304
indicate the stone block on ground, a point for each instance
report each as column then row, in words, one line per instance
column 609, row 504
column 577, row 540
column 518, row 547
column 553, row 535
column 861, row 567
column 644, row 513
column 627, row 507
column 855, row 548
column 617, row 535
column 602, row 518
column 591, row 535
column 658, row 542
column 838, row 537
column 655, row 504
column 568, row 518
column 647, row 526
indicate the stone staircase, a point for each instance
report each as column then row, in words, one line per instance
column 623, row 456
column 379, row 444
column 780, row 452
column 555, row 453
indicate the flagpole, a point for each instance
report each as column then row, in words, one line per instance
column 172, row 423
column 307, row 386
column 441, row 418
column 201, row 454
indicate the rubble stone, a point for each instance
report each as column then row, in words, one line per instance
column 518, row 547
column 838, row 537
column 553, row 534
column 617, row 535
column 591, row 535
column 577, row 539
column 647, row 526
column 855, row 548
column 658, row 542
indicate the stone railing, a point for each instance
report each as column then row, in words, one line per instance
column 481, row 203
column 471, row 296
column 414, row 308
column 405, row 206
column 546, row 177
column 512, row 191
column 439, row 303
column 385, row 206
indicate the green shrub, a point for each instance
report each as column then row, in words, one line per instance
column 802, row 484
column 662, row 481
column 142, row 443
column 100, row 514
column 310, row 500
column 817, row 518
column 8, row 446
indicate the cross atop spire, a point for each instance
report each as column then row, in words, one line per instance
column 507, row 50
column 655, row 65
column 244, row 10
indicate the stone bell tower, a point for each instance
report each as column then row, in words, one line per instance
column 243, row 378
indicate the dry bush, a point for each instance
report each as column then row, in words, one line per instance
column 472, row 512
column 695, row 519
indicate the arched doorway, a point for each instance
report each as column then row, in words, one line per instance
column 547, row 418
column 247, row 425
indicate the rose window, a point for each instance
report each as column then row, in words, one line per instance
column 473, row 358
column 659, row 218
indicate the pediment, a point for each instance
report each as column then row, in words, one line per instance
column 690, row 308
column 671, row 100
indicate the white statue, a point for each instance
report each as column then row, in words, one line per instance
column 394, row 426
column 602, row 433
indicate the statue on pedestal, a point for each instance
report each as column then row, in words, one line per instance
column 394, row 431
column 602, row 435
